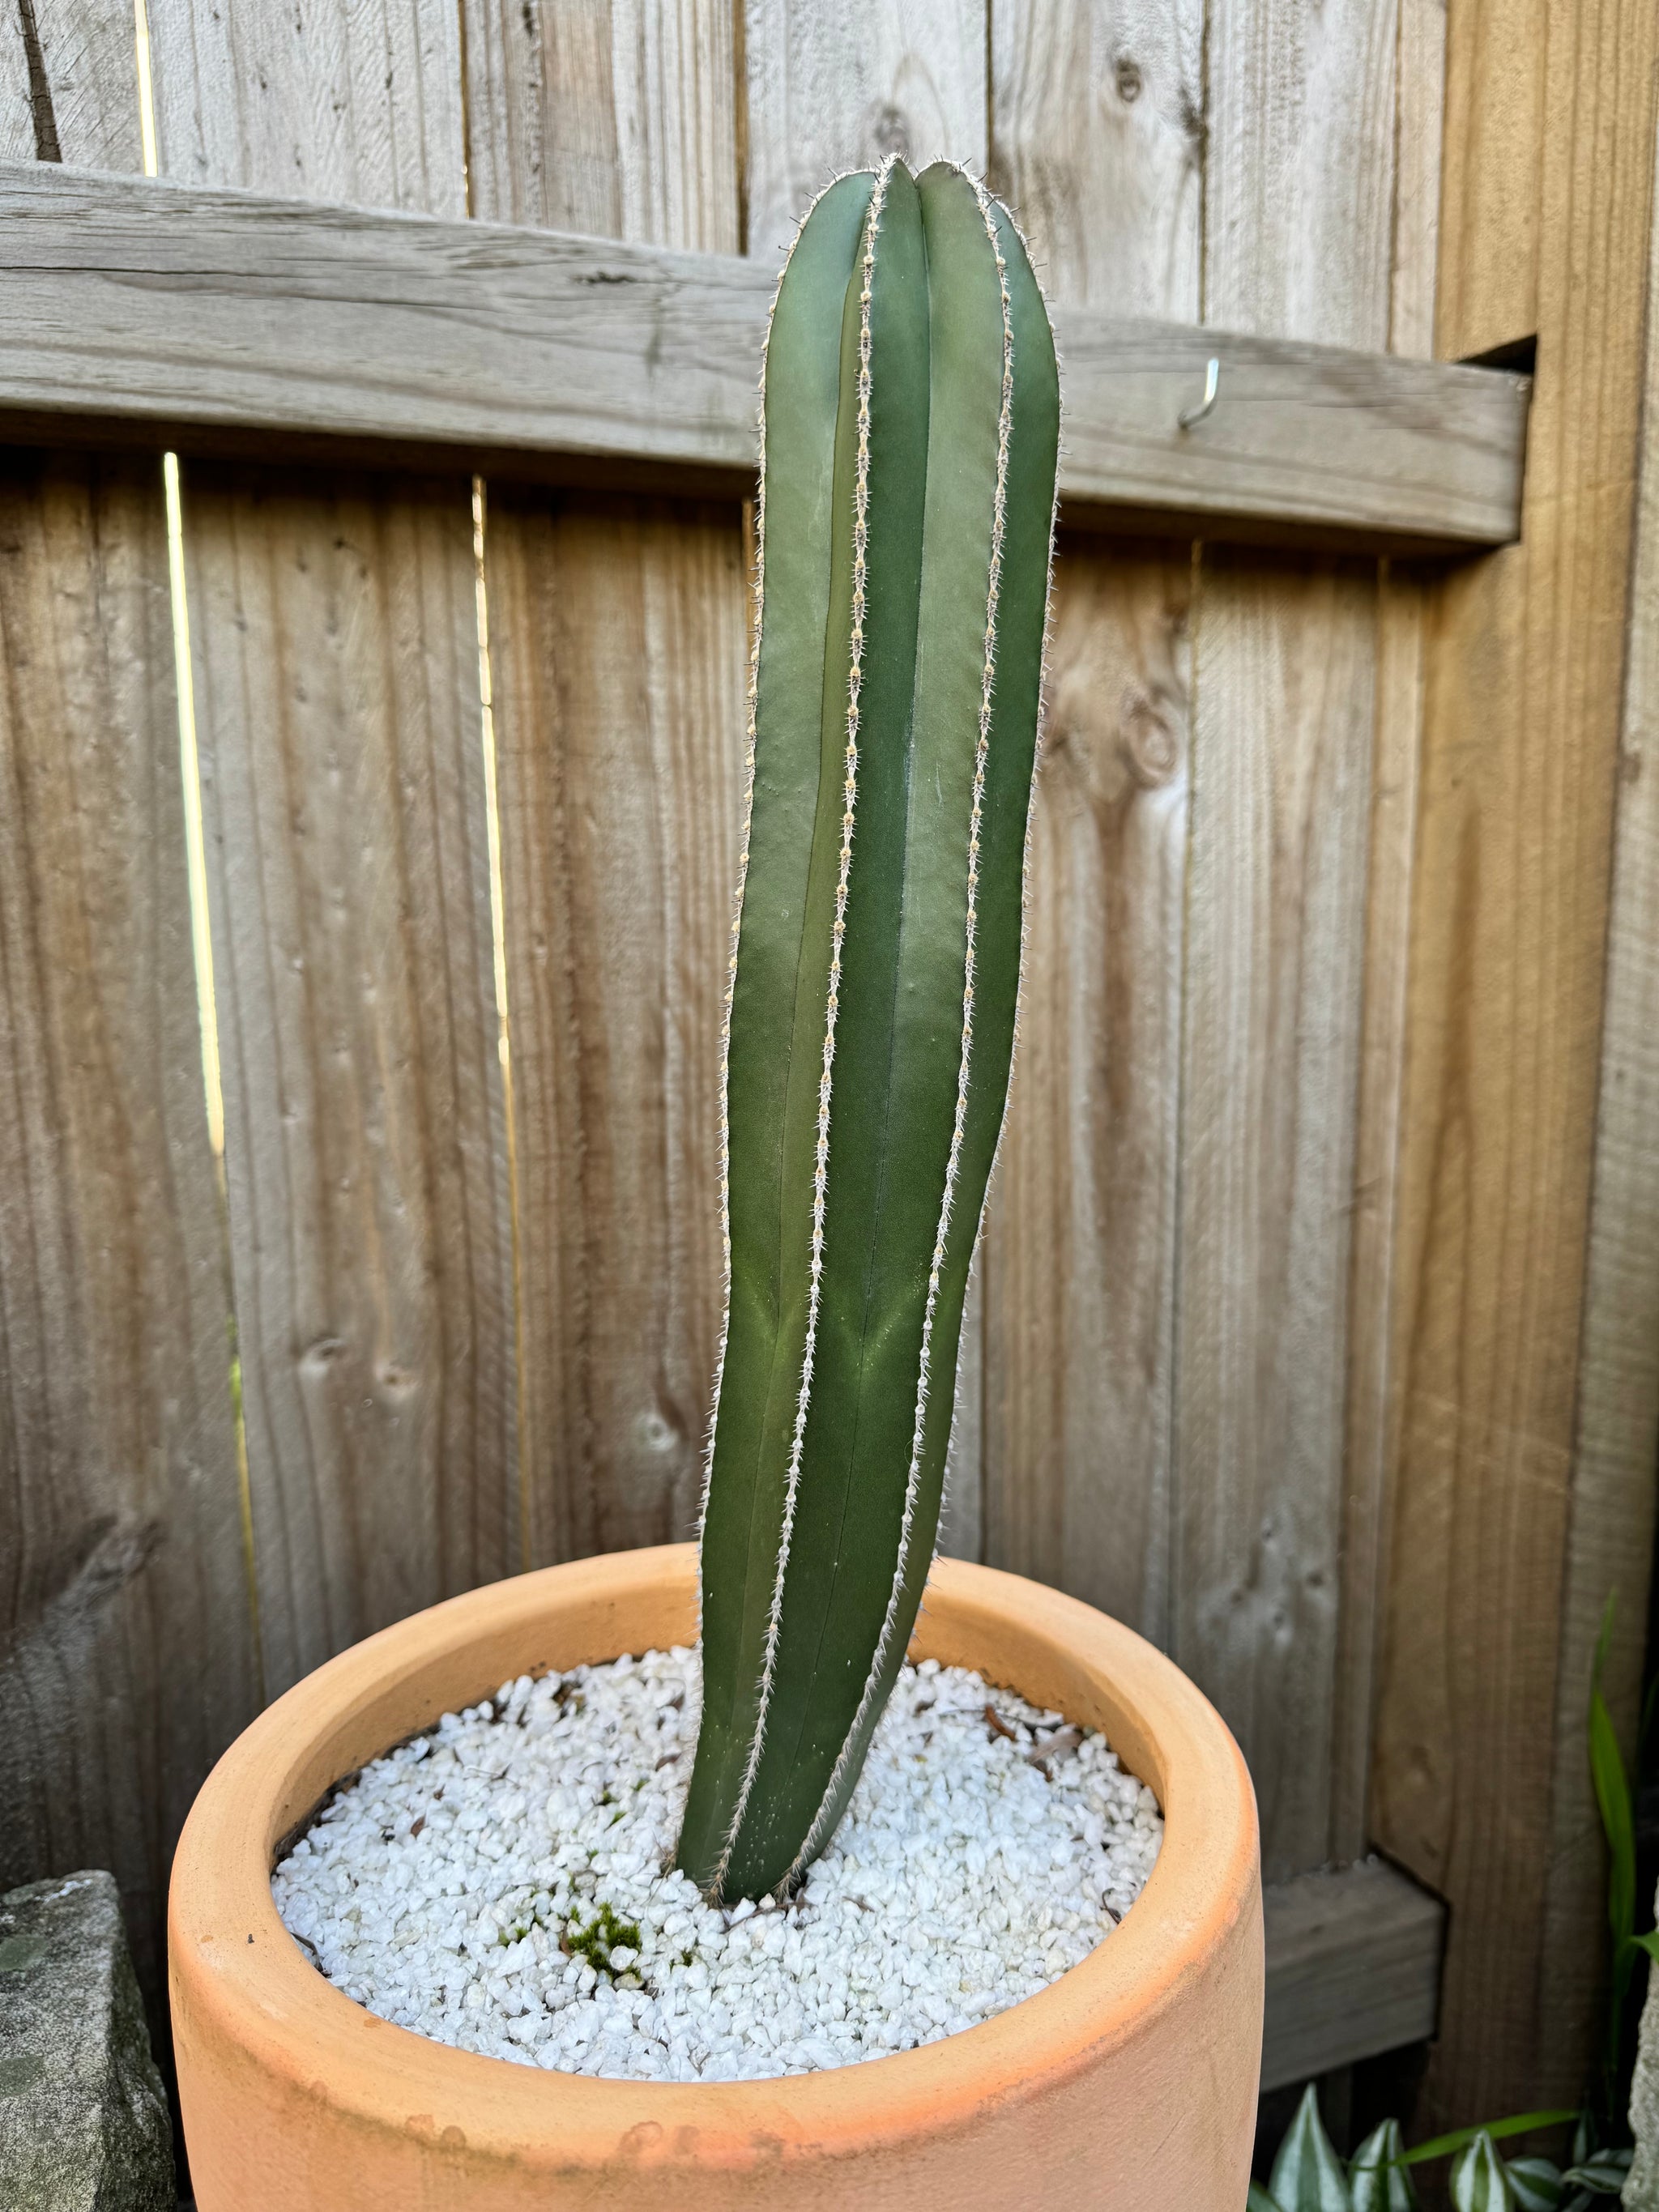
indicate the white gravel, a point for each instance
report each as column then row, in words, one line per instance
column 500, row 1883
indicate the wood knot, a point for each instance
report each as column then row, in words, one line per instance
column 1149, row 739
column 1129, row 80
column 888, row 131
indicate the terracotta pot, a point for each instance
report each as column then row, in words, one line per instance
column 1131, row 2082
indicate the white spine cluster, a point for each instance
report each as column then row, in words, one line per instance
column 826, row 1812
column 821, row 1163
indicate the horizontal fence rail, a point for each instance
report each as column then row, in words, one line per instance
column 1353, row 1968
column 219, row 320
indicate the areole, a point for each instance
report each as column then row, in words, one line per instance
column 1131, row 2081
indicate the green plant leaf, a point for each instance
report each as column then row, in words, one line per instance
column 1258, row 2200
column 1604, row 2173
column 1649, row 1944
column 1612, row 1797
column 1519, row 2123
column 1308, row 2175
column 1584, row 2138
column 1377, row 2178
column 1479, row 2181
column 1535, row 2184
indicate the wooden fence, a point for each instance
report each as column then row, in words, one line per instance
column 1316, row 1332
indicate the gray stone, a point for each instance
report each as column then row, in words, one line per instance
column 84, row 2116
column 1641, row 2187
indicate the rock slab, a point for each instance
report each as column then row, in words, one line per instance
column 84, row 2116
column 1642, row 2185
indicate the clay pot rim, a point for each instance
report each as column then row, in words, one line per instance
column 235, row 1965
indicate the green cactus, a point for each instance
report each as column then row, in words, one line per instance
column 909, row 429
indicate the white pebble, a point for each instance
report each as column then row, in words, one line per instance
column 504, row 1884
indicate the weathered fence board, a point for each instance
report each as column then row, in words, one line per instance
column 1404, row 608
column 1276, row 902
column 127, row 1655
column 618, row 649
column 19, row 134
column 1298, row 183
column 1094, row 141
column 1369, row 1431
column 1353, row 1969
column 618, row 656
column 336, row 689
column 126, row 1646
column 221, row 322
column 1524, row 675
column 69, row 89
column 1616, row 1440
column 832, row 89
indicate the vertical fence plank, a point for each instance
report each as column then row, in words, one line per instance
column 1616, row 1445
column 127, row 1651
column 71, row 94
column 1369, row 1432
column 1281, row 742
column 18, row 140
column 127, row 1655
column 338, row 699
column 1485, row 1644
column 1403, row 612
column 618, row 659
column 1095, row 140
column 1298, row 195
column 824, row 93
column 1097, row 143
column 829, row 90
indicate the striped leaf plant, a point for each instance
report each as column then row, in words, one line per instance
column 909, row 432
column 1310, row 2176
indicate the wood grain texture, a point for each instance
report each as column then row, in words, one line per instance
column 217, row 321
column 67, row 84
column 1420, row 108
column 337, row 695
column 1353, row 1968
column 127, row 1656
column 614, row 120
column 831, row 89
column 1096, row 140
column 1281, row 778
column 18, row 127
column 355, row 101
column 1080, row 1239
column 1097, row 144
column 1499, row 71
column 1298, row 177
column 1298, row 186
column 1616, row 1445
column 1523, row 725
column 126, row 1646
column 618, row 655
column 1368, row 1434
column 337, row 704
column 619, row 658
column 1404, row 606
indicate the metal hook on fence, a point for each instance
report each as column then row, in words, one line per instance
column 1190, row 416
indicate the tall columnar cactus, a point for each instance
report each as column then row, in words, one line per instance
column 910, row 422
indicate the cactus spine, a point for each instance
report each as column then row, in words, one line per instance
column 910, row 421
